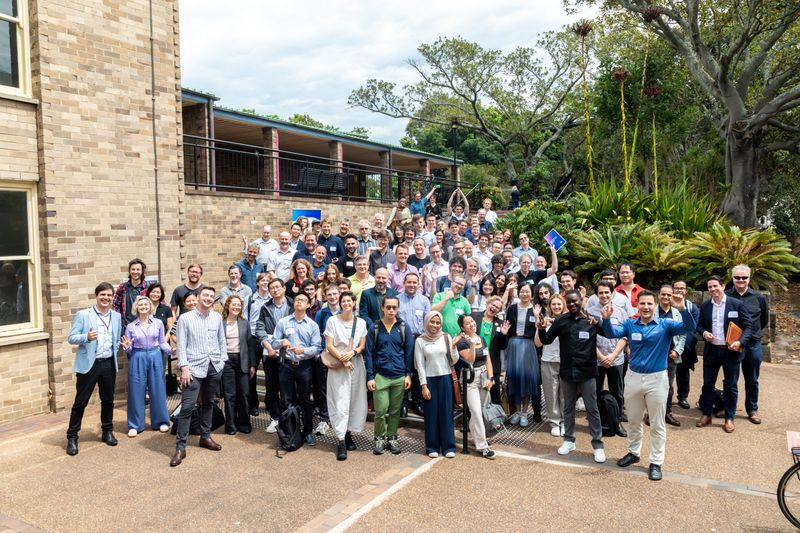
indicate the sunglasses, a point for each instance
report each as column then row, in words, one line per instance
column 390, row 306
column 740, row 278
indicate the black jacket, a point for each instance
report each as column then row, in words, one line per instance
column 577, row 341
column 530, row 322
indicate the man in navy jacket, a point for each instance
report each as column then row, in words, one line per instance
column 716, row 315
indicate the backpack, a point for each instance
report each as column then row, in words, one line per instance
column 719, row 401
column 609, row 413
column 402, row 332
column 290, row 432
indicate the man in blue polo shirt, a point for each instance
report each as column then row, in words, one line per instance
column 647, row 383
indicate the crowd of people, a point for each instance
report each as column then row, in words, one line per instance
column 390, row 311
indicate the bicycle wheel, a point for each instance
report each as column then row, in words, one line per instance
column 789, row 495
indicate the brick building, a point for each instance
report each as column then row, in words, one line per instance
column 92, row 163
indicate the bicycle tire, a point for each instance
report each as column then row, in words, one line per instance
column 794, row 470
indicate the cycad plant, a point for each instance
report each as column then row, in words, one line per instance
column 595, row 249
column 724, row 246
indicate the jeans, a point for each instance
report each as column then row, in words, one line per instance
column 717, row 357
column 204, row 388
column 588, row 390
column 235, row 387
column 146, row 372
column 751, row 367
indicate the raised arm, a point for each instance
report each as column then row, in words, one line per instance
column 553, row 262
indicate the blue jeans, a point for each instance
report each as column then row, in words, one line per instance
column 717, row 357
column 751, row 367
column 146, row 373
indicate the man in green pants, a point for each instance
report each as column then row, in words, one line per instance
column 389, row 361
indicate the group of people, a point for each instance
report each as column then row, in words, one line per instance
column 391, row 313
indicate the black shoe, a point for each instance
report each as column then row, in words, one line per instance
column 394, row 445
column 230, row 431
column 341, row 451
column 109, row 438
column 72, row 445
column 684, row 404
column 624, row 418
column 349, row 442
column 537, row 415
column 628, row 460
column 254, row 411
column 246, row 430
column 417, row 408
column 404, row 409
column 655, row 473
column 621, row 431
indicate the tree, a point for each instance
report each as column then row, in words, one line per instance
column 517, row 100
column 743, row 55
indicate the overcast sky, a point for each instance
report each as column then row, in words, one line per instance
column 307, row 56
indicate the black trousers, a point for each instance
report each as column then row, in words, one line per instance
column 682, row 380
column 321, row 389
column 104, row 375
column 296, row 382
column 203, row 388
column 672, row 371
column 235, row 387
column 254, row 346
column 616, row 383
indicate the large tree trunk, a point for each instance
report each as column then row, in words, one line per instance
column 508, row 160
column 741, row 176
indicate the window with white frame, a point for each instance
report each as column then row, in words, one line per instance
column 20, row 297
column 14, row 58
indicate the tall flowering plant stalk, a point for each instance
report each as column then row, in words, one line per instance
column 619, row 75
column 652, row 92
column 582, row 29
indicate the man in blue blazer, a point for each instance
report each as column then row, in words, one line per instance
column 371, row 303
column 716, row 315
column 96, row 331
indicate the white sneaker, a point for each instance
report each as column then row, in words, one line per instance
column 450, row 455
column 132, row 433
column 515, row 418
column 556, row 431
column 579, row 405
column 322, row 427
column 163, row 428
column 566, row 448
column 599, row 455
column 433, row 455
column 273, row 426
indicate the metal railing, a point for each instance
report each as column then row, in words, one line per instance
column 217, row 165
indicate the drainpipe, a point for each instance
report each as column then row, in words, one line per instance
column 155, row 138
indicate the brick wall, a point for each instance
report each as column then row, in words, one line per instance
column 91, row 75
column 23, row 380
column 215, row 224
column 18, row 159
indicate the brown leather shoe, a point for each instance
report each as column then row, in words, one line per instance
column 671, row 420
column 728, row 426
column 704, row 421
column 754, row 418
column 209, row 444
column 179, row 456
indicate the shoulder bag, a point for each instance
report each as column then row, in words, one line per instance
column 331, row 361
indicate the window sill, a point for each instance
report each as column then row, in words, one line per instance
column 18, row 98
column 23, row 338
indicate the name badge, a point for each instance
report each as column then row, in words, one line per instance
column 636, row 336
column 532, row 319
column 583, row 334
column 733, row 314
column 459, row 312
column 615, row 321
column 349, row 264
column 529, row 281
column 290, row 331
column 419, row 312
column 332, row 248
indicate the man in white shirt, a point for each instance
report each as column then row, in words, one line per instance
column 266, row 245
column 281, row 259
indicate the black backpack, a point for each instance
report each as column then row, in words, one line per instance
column 609, row 413
column 290, row 431
column 217, row 419
column 719, row 401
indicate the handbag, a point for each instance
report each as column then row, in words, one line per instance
column 493, row 414
column 457, row 400
column 330, row 360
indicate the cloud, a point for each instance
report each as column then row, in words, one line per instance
column 307, row 56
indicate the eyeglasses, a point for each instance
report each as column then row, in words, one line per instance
column 740, row 278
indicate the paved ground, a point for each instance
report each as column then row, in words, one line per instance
column 713, row 481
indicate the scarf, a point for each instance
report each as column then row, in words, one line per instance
column 427, row 335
